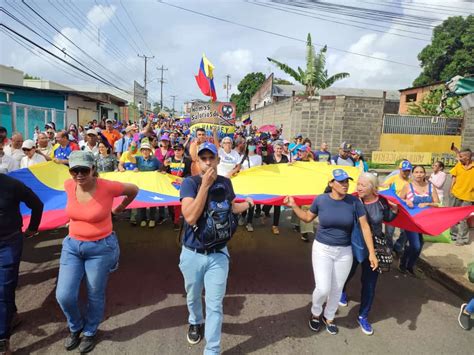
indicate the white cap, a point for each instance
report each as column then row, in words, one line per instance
column 28, row 144
column 92, row 131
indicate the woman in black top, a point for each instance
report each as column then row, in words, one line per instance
column 378, row 210
column 276, row 158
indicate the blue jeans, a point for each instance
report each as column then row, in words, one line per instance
column 209, row 272
column 368, row 279
column 412, row 251
column 10, row 255
column 470, row 306
column 95, row 260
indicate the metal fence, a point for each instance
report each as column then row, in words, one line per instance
column 429, row 125
column 25, row 118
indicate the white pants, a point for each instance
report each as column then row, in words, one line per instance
column 331, row 266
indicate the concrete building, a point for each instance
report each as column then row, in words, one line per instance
column 10, row 75
column 414, row 95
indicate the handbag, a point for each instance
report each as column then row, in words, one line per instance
column 383, row 253
column 359, row 249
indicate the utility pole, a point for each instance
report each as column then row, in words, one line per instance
column 174, row 98
column 162, row 69
column 146, row 93
column 227, row 86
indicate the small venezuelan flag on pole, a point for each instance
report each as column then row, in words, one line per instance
column 205, row 78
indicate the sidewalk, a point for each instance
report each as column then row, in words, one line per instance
column 447, row 264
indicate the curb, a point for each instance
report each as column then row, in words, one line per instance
column 446, row 280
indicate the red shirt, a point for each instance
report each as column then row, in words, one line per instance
column 92, row 220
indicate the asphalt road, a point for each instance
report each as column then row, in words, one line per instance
column 266, row 308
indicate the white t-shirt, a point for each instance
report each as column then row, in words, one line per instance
column 228, row 162
column 251, row 161
column 15, row 154
column 27, row 162
column 86, row 148
column 7, row 164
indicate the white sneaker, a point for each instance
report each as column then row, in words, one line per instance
column 249, row 227
column 151, row 223
column 143, row 224
column 241, row 220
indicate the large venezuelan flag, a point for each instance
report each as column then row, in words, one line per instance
column 268, row 184
column 205, row 78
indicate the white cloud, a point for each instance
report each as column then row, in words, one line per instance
column 239, row 61
column 99, row 15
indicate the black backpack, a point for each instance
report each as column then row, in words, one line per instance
column 217, row 224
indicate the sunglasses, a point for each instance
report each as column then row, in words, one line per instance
column 26, row 149
column 83, row 170
column 50, row 132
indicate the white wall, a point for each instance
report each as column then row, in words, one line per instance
column 10, row 76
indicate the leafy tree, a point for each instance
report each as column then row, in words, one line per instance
column 450, row 53
column 30, row 77
column 315, row 77
column 247, row 87
column 430, row 103
column 282, row 81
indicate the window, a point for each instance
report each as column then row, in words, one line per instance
column 410, row 98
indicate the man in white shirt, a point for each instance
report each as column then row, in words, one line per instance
column 14, row 149
column 31, row 157
column 6, row 162
column 45, row 148
column 229, row 163
column 90, row 143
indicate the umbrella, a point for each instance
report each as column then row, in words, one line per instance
column 269, row 128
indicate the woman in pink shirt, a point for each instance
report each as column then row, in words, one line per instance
column 90, row 249
column 438, row 178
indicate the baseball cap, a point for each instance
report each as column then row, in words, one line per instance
column 346, row 147
column 340, row 175
column 165, row 137
column 299, row 135
column 81, row 158
column 28, row 144
column 178, row 146
column 50, row 125
column 92, row 131
column 357, row 151
column 109, row 120
column 405, row 165
column 145, row 146
column 286, row 142
column 207, row 146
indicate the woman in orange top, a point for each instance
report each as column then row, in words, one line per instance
column 91, row 249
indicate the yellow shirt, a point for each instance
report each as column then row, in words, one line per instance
column 397, row 181
column 463, row 188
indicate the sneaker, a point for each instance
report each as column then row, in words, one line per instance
column 87, row 344
column 330, row 327
column 5, row 347
column 133, row 221
column 73, row 340
column 194, row 333
column 464, row 319
column 459, row 243
column 296, row 228
column 151, row 223
column 304, row 237
column 314, row 323
column 241, row 220
column 161, row 220
column 275, row 230
column 249, row 227
column 343, row 301
column 402, row 269
column 365, row 326
column 143, row 224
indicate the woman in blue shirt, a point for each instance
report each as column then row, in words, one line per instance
column 332, row 252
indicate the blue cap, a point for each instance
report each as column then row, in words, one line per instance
column 405, row 165
column 207, row 146
column 340, row 175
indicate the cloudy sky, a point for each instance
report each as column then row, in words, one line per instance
column 106, row 35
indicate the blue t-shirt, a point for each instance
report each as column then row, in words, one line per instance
column 295, row 151
column 150, row 164
column 63, row 153
column 320, row 155
column 220, row 190
column 336, row 218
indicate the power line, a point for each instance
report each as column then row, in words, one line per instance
column 433, row 5
column 326, row 18
column 133, row 23
column 108, row 42
column 59, row 58
column 426, row 8
column 67, row 38
column 282, row 35
column 110, row 18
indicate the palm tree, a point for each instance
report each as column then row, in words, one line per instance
column 316, row 76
